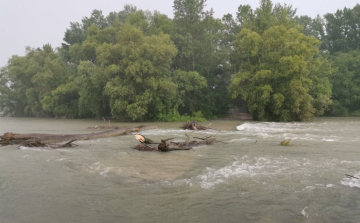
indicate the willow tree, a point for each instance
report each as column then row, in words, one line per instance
column 137, row 69
column 29, row 79
column 276, row 78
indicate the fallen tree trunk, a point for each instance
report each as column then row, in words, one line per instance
column 195, row 126
column 167, row 145
column 102, row 127
column 41, row 140
column 64, row 145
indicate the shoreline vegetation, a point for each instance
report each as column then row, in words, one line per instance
column 265, row 63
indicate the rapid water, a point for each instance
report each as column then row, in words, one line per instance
column 248, row 178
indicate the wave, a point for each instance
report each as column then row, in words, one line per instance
column 267, row 171
column 294, row 130
column 248, row 167
column 271, row 127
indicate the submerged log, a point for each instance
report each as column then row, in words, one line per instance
column 195, row 126
column 351, row 176
column 168, row 145
column 64, row 145
column 102, row 127
column 42, row 140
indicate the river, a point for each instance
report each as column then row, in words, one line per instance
column 248, row 178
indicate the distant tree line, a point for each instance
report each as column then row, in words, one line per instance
column 138, row 65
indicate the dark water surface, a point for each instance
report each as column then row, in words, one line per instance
column 251, row 178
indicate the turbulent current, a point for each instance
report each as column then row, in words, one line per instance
column 249, row 177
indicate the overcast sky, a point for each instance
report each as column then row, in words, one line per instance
column 37, row 22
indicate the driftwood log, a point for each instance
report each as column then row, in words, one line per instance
column 45, row 140
column 351, row 177
column 195, row 126
column 168, row 145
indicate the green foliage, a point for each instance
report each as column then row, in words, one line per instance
column 266, row 16
column 340, row 38
column 190, row 85
column 343, row 33
column 313, row 27
column 27, row 80
column 277, row 73
column 63, row 101
column 346, row 84
column 92, row 101
column 202, row 48
column 140, row 81
column 321, row 88
column 78, row 31
column 7, row 106
column 137, row 65
column 172, row 115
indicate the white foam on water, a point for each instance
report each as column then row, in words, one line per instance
column 351, row 182
column 276, row 127
column 242, row 139
column 244, row 127
column 35, row 149
column 100, row 168
column 294, row 130
column 329, row 139
column 345, row 161
column 57, row 160
column 164, row 132
column 261, row 170
column 214, row 177
column 105, row 171
column 350, row 162
column 280, row 130
column 259, row 166
column 304, row 213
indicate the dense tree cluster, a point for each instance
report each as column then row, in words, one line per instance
column 138, row 65
column 340, row 36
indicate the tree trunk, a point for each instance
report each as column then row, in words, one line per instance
column 165, row 146
column 34, row 139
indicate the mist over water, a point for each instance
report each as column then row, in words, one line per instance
column 248, row 178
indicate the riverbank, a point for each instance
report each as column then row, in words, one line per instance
column 238, row 114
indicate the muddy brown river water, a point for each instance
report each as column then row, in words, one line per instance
column 251, row 178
